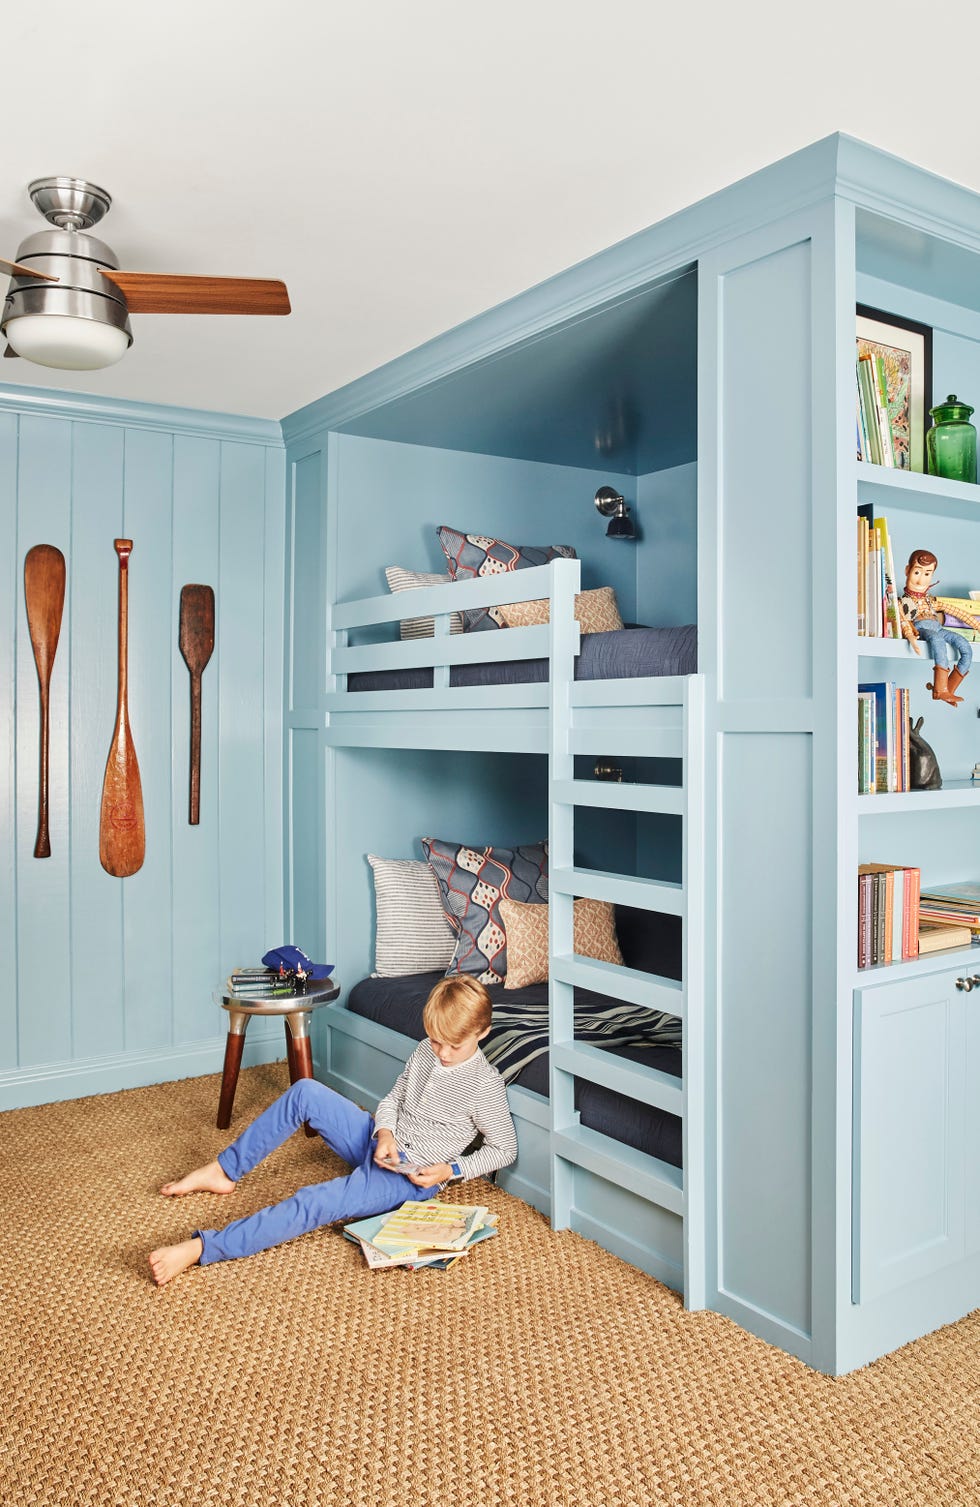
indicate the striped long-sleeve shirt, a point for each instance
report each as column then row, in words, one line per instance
column 434, row 1112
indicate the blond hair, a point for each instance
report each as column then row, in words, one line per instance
column 458, row 1006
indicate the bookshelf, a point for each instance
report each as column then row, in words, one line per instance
column 911, row 491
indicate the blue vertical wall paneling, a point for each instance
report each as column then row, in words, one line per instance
column 43, row 907
column 111, row 979
column 195, row 933
column 241, row 612
column 11, row 625
column 89, row 645
column 147, row 895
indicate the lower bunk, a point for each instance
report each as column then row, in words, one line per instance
column 365, row 1042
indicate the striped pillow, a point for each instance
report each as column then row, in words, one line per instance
column 400, row 579
column 413, row 935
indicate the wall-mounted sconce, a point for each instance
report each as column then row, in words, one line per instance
column 611, row 506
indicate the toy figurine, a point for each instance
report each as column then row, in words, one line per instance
column 923, row 616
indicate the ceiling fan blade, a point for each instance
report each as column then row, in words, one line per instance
column 160, row 293
column 16, row 270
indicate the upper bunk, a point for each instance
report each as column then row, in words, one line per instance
column 509, row 447
column 414, row 692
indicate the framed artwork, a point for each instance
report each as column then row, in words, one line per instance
column 906, row 349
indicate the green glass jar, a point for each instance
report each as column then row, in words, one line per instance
column 951, row 443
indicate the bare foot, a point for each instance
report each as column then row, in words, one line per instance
column 170, row 1260
column 209, row 1179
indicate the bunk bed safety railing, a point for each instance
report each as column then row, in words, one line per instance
column 444, row 650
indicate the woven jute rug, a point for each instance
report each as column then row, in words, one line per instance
column 538, row 1372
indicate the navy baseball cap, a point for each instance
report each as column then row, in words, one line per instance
column 291, row 957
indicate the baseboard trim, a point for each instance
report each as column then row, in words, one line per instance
column 51, row 1082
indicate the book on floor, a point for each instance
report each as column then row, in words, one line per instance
column 430, row 1226
column 363, row 1231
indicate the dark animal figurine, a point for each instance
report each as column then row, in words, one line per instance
column 924, row 766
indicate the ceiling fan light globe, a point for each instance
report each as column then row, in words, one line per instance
column 65, row 342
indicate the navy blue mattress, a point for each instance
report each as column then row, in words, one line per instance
column 398, row 1002
column 620, row 655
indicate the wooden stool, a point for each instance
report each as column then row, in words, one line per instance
column 295, row 1011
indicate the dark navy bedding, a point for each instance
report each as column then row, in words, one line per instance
column 623, row 654
column 397, row 1003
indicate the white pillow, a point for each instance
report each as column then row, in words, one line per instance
column 413, row 935
column 400, row 579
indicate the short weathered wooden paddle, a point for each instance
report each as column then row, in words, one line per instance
column 44, row 593
column 196, row 645
column 122, row 835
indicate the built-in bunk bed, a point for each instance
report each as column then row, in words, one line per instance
column 595, row 1058
column 704, row 370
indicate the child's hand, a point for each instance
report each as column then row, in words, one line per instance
column 429, row 1177
column 386, row 1152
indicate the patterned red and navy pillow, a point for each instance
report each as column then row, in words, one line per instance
column 472, row 555
column 471, row 883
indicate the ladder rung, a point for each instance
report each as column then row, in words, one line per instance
column 647, row 1176
column 628, row 742
column 629, row 984
column 645, row 894
column 625, row 796
column 648, row 1085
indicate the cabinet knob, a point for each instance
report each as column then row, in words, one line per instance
column 975, row 979
column 968, row 984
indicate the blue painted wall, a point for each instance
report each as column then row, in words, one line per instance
column 108, row 981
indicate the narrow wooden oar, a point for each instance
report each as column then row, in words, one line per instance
column 196, row 645
column 122, row 835
column 44, row 593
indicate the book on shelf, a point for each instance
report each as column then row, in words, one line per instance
column 877, row 589
column 886, row 732
column 936, row 936
column 873, row 421
column 954, row 905
column 866, row 743
column 888, row 913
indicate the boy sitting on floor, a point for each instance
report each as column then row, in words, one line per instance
column 447, row 1093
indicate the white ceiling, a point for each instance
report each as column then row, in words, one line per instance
column 405, row 164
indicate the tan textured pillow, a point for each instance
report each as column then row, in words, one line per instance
column 596, row 611
column 526, row 927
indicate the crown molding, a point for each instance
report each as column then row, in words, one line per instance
column 86, row 408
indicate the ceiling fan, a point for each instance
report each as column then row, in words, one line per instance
column 68, row 304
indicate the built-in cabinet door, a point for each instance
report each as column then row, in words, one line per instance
column 910, row 1174
column 972, row 1135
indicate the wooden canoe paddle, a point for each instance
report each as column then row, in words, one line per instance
column 122, row 835
column 197, row 646
column 44, row 593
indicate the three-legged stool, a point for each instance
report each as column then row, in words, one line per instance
column 296, row 1012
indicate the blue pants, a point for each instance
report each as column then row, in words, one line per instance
column 946, row 646
column 368, row 1189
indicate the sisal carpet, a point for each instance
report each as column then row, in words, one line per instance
column 539, row 1372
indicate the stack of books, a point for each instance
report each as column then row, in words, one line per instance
column 260, row 983
column 951, row 915
column 888, row 913
column 884, row 764
column 875, row 441
column 877, row 594
column 422, row 1234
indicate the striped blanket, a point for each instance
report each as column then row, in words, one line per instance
column 520, row 1031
